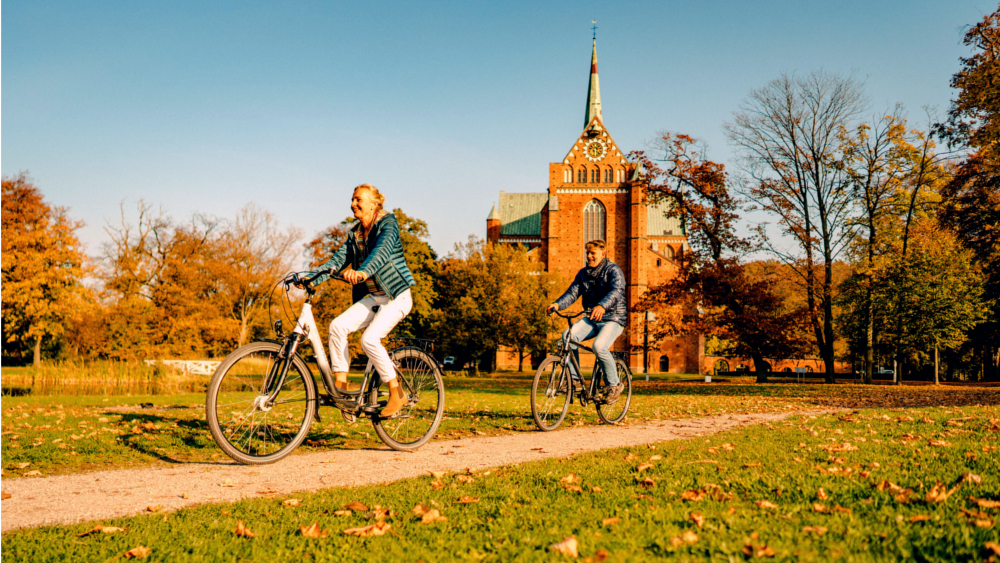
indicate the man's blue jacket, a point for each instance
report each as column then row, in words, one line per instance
column 603, row 285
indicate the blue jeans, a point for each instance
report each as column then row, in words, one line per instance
column 606, row 333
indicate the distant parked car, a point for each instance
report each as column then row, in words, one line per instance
column 884, row 371
column 449, row 363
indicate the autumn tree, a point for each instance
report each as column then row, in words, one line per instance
column 971, row 199
column 489, row 296
column 713, row 293
column 43, row 263
column 788, row 138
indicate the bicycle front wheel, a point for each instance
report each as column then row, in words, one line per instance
column 551, row 392
column 613, row 413
column 416, row 423
column 245, row 424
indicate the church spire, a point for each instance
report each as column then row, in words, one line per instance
column 593, row 91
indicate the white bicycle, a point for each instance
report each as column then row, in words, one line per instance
column 262, row 398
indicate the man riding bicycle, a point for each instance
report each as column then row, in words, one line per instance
column 602, row 284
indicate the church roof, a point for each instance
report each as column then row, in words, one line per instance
column 521, row 214
column 593, row 92
column 493, row 214
column 657, row 222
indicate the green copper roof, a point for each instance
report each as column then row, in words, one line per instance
column 521, row 214
column 657, row 222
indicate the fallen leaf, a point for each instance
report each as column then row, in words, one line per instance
column 940, row 493
column 611, row 521
column 821, row 494
column 433, row 515
column 655, row 457
column 377, row 529
column 820, row 507
column 727, row 447
column 697, row 518
column 839, row 508
column 919, row 518
column 313, row 531
column 242, row 531
column 629, row 457
column 648, row 483
column 4, row 495
column 993, row 546
column 228, row 483
column 566, row 547
column 752, row 464
column 818, row 530
column 985, row 503
column 102, row 529
column 972, row 478
column 939, row 443
column 467, row 500
column 693, row 495
column 342, row 513
column 156, row 508
column 438, row 474
column 34, row 473
column 643, row 466
column 420, row 510
column 138, row 552
column 571, row 478
column 436, row 485
column 356, row 506
column 291, row 502
column 573, row 488
column 24, row 465
column 378, row 512
column 765, row 504
column 464, row 478
column 595, row 489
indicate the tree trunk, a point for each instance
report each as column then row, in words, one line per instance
column 936, row 380
column 758, row 367
column 37, row 361
column 520, row 360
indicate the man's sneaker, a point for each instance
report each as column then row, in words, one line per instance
column 612, row 392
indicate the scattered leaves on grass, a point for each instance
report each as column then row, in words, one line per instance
column 697, row 518
column 466, row 499
column 919, row 518
column 818, row 530
column 610, row 521
column 688, row 537
column 643, row 466
column 356, row 506
column 648, row 483
column 431, row 516
column 765, row 504
column 342, row 513
column 821, row 494
column 939, row 443
column 693, row 495
column 377, row 529
column 464, row 478
column 138, row 552
column 291, row 502
column 242, row 531
column 378, row 512
column 571, row 478
column 101, row 529
column 566, row 547
column 437, row 485
column 313, row 532
column 573, row 488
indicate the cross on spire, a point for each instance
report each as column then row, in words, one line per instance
column 594, row 28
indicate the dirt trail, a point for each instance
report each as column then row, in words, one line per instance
column 107, row 494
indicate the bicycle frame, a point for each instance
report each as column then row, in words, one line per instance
column 570, row 359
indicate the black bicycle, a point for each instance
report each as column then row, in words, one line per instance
column 553, row 388
column 262, row 398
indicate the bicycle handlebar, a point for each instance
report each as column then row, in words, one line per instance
column 574, row 315
column 306, row 282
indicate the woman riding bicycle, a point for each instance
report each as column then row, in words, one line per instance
column 372, row 255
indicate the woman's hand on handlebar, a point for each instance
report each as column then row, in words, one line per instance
column 354, row 276
column 551, row 309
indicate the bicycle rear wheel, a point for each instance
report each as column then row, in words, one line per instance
column 615, row 412
column 245, row 425
column 416, row 423
column 549, row 403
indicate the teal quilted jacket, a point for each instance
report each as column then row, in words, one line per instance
column 381, row 258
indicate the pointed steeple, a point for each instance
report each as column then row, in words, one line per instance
column 493, row 214
column 593, row 92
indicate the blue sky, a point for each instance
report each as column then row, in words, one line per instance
column 207, row 106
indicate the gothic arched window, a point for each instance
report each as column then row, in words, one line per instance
column 595, row 176
column 594, row 217
column 567, row 176
column 607, row 176
column 581, row 176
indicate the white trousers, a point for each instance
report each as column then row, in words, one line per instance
column 360, row 315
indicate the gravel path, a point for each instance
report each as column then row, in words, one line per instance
column 91, row 496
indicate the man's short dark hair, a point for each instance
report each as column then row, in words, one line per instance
column 596, row 243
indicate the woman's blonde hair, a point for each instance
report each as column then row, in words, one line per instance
column 377, row 196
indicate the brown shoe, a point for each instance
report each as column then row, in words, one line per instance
column 346, row 386
column 397, row 399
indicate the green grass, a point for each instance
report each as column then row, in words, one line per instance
column 524, row 509
column 59, row 435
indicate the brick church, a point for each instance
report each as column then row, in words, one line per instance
column 594, row 192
